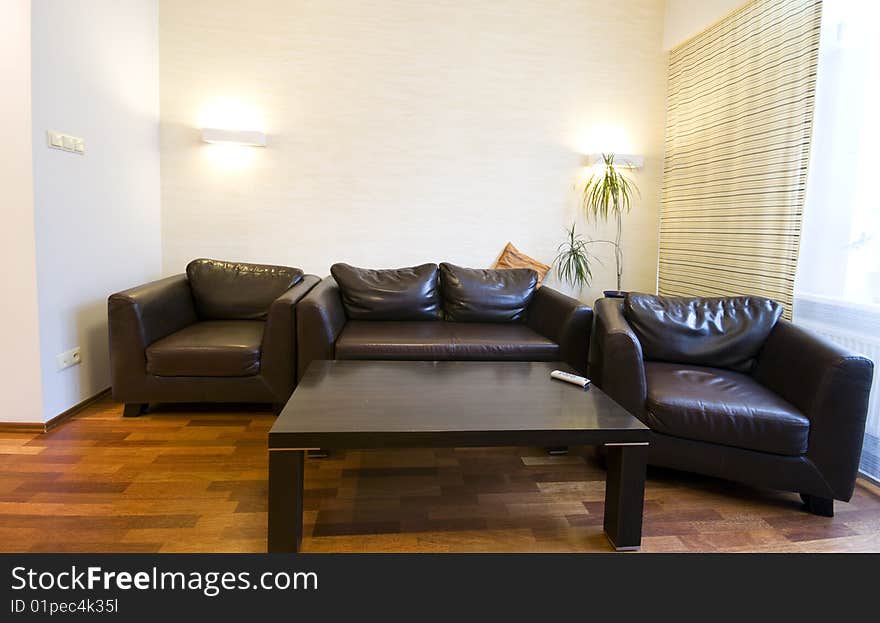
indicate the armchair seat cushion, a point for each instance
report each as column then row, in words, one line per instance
column 721, row 406
column 438, row 341
column 212, row 348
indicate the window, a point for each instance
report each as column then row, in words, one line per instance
column 837, row 291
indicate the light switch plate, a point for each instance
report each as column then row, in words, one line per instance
column 55, row 139
column 66, row 142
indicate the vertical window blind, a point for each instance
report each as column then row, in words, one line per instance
column 738, row 135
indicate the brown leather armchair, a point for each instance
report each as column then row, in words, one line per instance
column 444, row 312
column 223, row 332
column 731, row 390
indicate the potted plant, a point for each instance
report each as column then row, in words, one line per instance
column 573, row 260
column 610, row 194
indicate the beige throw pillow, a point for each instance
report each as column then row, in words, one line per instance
column 511, row 257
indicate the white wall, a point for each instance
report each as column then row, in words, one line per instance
column 686, row 18
column 405, row 131
column 20, row 397
column 95, row 75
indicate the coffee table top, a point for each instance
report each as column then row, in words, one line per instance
column 365, row 404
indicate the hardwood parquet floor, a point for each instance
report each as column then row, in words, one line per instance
column 195, row 480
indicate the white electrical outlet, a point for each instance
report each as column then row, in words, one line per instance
column 69, row 358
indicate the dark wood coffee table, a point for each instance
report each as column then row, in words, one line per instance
column 392, row 404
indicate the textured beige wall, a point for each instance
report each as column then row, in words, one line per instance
column 405, row 131
column 686, row 18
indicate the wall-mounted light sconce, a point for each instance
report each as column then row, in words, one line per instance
column 623, row 161
column 234, row 137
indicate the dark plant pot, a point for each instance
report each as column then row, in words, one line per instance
column 615, row 294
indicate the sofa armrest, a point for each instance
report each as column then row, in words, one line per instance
column 320, row 319
column 140, row 316
column 279, row 351
column 565, row 321
column 831, row 386
column 616, row 361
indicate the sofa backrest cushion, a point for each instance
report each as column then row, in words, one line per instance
column 486, row 295
column 716, row 332
column 237, row 291
column 392, row 294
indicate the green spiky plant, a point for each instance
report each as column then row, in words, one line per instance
column 573, row 260
column 610, row 194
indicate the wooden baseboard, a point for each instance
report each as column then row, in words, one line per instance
column 22, row 427
column 38, row 427
column 872, row 484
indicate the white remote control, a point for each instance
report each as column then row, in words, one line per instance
column 574, row 379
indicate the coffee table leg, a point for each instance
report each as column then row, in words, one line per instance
column 625, row 495
column 285, row 500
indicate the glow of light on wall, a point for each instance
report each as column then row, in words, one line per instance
column 230, row 157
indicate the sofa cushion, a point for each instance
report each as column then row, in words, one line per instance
column 212, row 348
column 717, row 332
column 392, row 294
column 478, row 341
column 439, row 341
column 237, row 291
column 724, row 407
column 486, row 295
column 407, row 340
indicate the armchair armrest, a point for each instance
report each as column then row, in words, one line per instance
column 831, row 386
column 278, row 359
column 320, row 319
column 140, row 316
column 616, row 361
column 565, row 321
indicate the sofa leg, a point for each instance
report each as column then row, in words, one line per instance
column 319, row 454
column 824, row 507
column 133, row 409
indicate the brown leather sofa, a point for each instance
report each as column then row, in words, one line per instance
column 731, row 390
column 223, row 332
column 444, row 312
